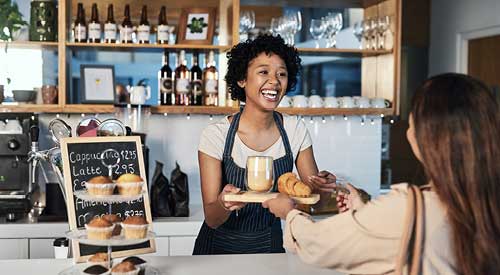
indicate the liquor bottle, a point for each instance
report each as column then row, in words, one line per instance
column 196, row 82
column 94, row 26
column 110, row 26
column 182, row 79
column 144, row 28
column 80, row 29
column 165, row 82
column 126, row 29
column 210, row 82
column 162, row 32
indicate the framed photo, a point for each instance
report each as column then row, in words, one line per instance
column 196, row 26
column 97, row 84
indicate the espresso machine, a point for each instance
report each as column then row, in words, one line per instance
column 18, row 195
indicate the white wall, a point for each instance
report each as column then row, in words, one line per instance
column 347, row 148
column 451, row 17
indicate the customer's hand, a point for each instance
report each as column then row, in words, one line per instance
column 280, row 206
column 324, row 181
column 230, row 205
column 350, row 198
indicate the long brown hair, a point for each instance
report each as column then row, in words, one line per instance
column 457, row 126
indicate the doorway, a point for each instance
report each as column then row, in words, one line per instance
column 484, row 61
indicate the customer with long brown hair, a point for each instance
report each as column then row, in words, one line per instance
column 455, row 133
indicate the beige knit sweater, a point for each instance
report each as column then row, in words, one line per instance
column 367, row 240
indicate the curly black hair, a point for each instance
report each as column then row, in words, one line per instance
column 240, row 56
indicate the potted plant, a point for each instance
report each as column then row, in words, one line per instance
column 11, row 20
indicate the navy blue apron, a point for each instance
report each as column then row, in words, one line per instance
column 253, row 229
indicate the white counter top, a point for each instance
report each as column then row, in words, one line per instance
column 171, row 226
column 251, row 264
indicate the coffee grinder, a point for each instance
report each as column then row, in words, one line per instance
column 17, row 194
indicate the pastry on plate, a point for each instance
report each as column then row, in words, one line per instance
column 125, row 268
column 114, row 219
column 138, row 262
column 289, row 184
column 129, row 184
column 99, row 229
column 135, row 227
column 99, row 258
column 100, row 185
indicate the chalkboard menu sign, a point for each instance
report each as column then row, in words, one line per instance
column 83, row 160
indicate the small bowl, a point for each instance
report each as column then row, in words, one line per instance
column 23, row 95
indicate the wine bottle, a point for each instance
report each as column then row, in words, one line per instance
column 182, row 79
column 80, row 29
column 144, row 28
column 210, row 82
column 196, row 82
column 110, row 26
column 94, row 26
column 126, row 29
column 165, row 82
column 162, row 32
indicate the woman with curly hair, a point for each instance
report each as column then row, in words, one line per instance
column 454, row 132
column 260, row 73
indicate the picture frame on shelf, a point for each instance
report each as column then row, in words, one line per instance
column 97, row 84
column 196, row 26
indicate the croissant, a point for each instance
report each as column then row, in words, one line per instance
column 289, row 184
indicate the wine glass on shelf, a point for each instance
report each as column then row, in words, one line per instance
column 317, row 30
column 247, row 22
column 275, row 25
column 292, row 26
column 374, row 33
column 383, row 25
column 337, row 23
column 367, row 33
column 358, row 32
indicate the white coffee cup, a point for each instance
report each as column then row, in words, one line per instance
column 139, row 94
column 299, row 101
column 331, row 102
column 285, row 102
column 380, row 103
column 363, row 102
column 347, row 102
column 315, row 101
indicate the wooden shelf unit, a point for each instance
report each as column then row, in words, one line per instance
column 343, row 52
column 380, row 76
column 147, row 46
column 29, row 44
column 30, row 108
column 209, row 110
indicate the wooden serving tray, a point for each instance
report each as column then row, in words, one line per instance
column 262, row 197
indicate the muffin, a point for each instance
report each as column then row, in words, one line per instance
column 129, row 184
column 99, row 229
column 100, row 258
column 96, row 270
column 125, row 268
column 138, row 262
column 114, row 219
column 100, row 185
column 135, row 227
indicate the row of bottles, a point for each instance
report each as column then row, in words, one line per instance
column 126, row 29
column 185, row 86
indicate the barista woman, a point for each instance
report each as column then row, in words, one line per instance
column 260, row 73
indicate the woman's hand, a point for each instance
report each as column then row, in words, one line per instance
column 324, row 181
column 230, row 205
column 280, row 206
column 349, row 199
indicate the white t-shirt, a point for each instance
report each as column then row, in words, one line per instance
column 213, row 139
